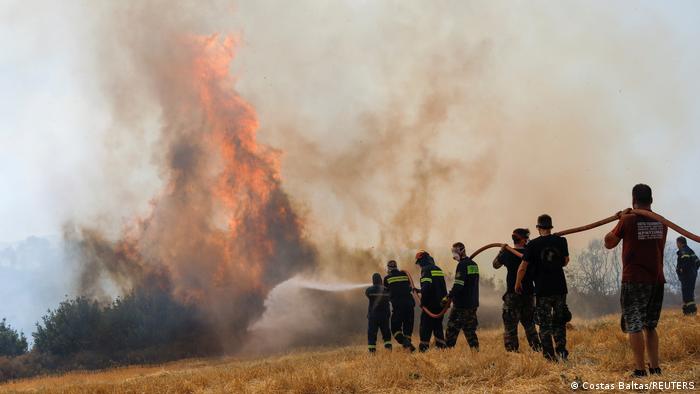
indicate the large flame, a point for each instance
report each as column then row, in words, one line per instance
column 223, row 232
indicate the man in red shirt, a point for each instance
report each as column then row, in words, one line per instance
column 642, row 290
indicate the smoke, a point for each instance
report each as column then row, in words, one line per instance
column 222, row 232
column 395, row 126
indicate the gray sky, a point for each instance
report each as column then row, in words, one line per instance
column 301, row 65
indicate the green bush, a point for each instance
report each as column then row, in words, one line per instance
column 12, row 343
column 71, row 328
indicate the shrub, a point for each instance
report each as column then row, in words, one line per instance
column 12, row 343
column 71, row 328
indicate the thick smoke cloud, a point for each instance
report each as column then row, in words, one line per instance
column 398, row 125
column 222, row 232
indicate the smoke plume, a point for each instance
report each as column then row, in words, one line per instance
column 222, row 232
column 395, row 126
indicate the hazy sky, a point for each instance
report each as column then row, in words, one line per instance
column 302, row 66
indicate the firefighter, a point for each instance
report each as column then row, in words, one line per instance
column 687, row 270
column 518, row 308
column 465, row 299
column 433, row 292
column 402, row 304
column 377, row 314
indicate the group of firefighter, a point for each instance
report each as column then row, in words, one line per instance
column 535, row 291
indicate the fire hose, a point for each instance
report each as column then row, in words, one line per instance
column 617, row 216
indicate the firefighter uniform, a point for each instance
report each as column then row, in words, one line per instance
column 465, row 301
column 433, row 298
column 377, row 314
column 402, row 306
column 687, row 270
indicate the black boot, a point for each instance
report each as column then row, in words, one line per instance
column 654, row 371
column 639, row 373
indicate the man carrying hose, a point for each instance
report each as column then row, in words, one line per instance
column 517, row 308
column 548, row 254
column 377, row 314
column 402, row 304
column 642, row 290
column 433, row 298
column 465, row 299
column 687, row 270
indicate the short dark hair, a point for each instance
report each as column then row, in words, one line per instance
column 641, row 194
column 520, row 234
column 458, row 246
column 682, row 240
column 544, row 222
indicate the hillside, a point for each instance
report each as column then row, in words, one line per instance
column 599, row 354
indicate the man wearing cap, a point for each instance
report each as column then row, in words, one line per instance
column 465, row 299
column 518, row 308
column 687, row 270
column 377, row 314
column 433, row 298
column 548, row 254
column 642, row 290
column 402, row 304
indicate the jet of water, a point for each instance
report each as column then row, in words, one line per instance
column 325, row 286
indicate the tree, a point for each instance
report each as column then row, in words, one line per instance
column 71, row 328
column 12, row 343
column 673, row 284
column 597, row 270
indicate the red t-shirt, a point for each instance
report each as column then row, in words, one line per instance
column 643, row 242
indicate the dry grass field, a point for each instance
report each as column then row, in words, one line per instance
column 599, row 354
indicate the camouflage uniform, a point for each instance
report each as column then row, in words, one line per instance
column 462, row 319
column 641, row 306
column 552, row 315
column 519, row 308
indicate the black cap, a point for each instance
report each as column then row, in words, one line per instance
column 391, row 264
column 544, row 222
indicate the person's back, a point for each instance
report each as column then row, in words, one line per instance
column 399, row 286
column 378, row 297
column 518, row 308
column 687, row 270
column 433, row 288
column 642, row 289
column 546, row 255
column 402, row 302
column 687, row 260
column 433, row 298
column 643, row 243
column 377, row 313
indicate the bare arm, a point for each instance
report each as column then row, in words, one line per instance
column 611, row 240
column 566, row 261
column 519, row 278
column 497, row 262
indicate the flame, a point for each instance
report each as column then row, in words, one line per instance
column 223, row 232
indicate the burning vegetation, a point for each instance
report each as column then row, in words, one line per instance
column 223, row 233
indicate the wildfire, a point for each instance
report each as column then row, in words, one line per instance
column 223, row 232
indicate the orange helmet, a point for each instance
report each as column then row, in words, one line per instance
column 421, row 253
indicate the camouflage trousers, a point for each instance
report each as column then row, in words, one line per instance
column 519, row 309
column 462, row 319
column 552, row 315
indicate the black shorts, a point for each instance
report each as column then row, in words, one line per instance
column 641, row 306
